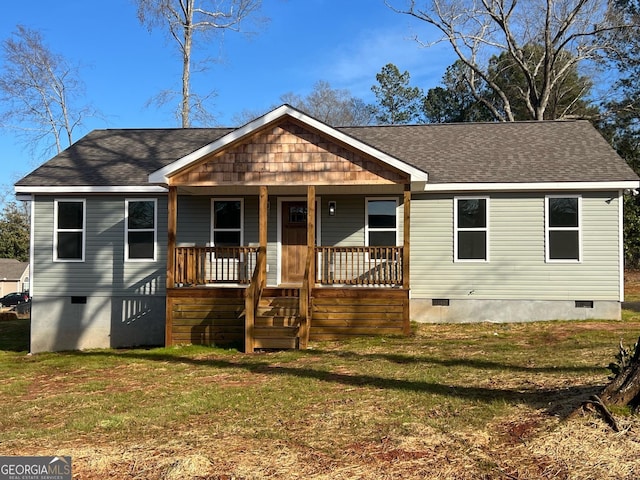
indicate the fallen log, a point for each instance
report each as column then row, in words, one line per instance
column 624, row 389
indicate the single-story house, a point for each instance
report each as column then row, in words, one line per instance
column 287, row 229
column 14, row 276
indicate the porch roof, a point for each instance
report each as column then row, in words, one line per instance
column 518, row 154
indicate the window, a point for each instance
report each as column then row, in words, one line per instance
column 69, row 230
column 140, row 229
column 227, row 219
column 562, row 234
column 471, row 236
column 382, row 222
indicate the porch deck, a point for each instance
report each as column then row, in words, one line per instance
column 220, row 297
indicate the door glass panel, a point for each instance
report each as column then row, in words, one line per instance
column 298, row 214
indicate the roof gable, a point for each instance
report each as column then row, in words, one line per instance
column 282, row 117
column 12, row 269
column 287, row 153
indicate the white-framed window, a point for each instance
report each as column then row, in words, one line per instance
column 471, row 229
column 140, row 231
column 563, row 228
column 69, row 230
column 227, row 222
column 381, row 217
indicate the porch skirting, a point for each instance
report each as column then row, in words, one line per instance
column 215, row 316
column 505, row 311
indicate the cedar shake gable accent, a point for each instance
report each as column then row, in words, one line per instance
column 279, row 116
column 287, row 153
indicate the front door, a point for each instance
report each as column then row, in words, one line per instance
column 294, row 241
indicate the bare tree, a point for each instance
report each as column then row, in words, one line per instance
column 38, row 88
column 480, row 29
column 333, row 106
column 184, row 19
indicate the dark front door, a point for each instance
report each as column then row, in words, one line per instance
column 294, row 241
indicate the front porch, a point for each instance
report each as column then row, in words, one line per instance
column 220, row 298
column 277, row 265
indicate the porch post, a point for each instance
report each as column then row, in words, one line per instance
column 311, row 229
column 172, row 221
column 264, row 197
column 406, row 255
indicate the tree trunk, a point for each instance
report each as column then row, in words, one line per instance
column 624, row 389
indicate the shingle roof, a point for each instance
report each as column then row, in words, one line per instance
column 561, row 151
column 122, row 157
column 11, row 269
column 553, row 151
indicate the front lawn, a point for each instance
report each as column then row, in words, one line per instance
column 487, row 401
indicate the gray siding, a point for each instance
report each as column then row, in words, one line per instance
column 517, row 267
column 194, row 224
column 116, row 303
column 104, row 271
column 347, row 227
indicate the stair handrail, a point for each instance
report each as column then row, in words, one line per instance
column 252, row 298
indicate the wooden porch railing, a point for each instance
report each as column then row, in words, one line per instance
column 359, row 265
column 367, row 266
column 205, row 265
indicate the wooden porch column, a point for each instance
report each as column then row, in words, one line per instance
column 264, row 198
column 311, row 228
column 406, row 255
column 172, row 222
column 259, row 277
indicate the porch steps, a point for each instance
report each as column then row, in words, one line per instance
column 277, row 319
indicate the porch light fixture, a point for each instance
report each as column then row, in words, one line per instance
column 332, row 208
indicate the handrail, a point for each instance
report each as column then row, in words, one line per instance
column 205, row 265
column 252, row 298
column 305, row 299
column 360, row 265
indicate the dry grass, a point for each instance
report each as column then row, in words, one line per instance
column 451, row 401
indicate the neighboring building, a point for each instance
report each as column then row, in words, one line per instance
column 14, row 276
column 287, row 228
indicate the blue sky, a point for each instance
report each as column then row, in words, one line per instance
column 123, row 65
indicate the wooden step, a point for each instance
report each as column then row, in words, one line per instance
column 276, row 320
column 284, row 343
column 279, row 311
column 281, row 292
column 275, row 337
column 284, row 302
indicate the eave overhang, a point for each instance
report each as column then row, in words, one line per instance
column 532, row 186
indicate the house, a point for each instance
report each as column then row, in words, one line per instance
column 286, row 229
column 14, row 276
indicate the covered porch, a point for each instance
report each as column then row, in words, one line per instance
column 279, row 266
column 221, row 294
